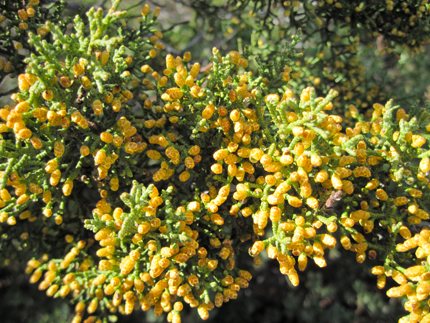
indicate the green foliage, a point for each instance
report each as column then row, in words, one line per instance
column 129, row 181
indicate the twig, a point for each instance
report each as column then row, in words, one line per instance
column 174, row 25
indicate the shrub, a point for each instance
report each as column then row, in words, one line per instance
column 133, row 182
